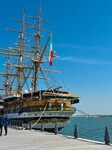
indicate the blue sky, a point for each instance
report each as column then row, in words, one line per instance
column 82, row 37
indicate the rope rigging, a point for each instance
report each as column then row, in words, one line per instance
column 96, row 118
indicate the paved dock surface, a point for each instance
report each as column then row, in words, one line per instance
column 36, row 140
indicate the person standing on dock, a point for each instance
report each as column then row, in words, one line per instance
column 6, row 123
column 1, row 124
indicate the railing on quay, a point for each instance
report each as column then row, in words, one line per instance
column 103, row 134
column 94, row 133
column 78, row 132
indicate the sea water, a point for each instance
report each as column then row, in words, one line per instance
column 92, row 128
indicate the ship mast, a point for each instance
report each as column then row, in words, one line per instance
column 17, row 53
column 39, row 52
column 37, row 45
column 20, row 45
column 7, row 83
column 28, row 68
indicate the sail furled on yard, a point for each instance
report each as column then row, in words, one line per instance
column 51, row 52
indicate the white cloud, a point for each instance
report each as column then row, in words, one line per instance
column 85, row 61
column 73, row 46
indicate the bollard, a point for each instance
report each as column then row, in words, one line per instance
column 21, row 125
column 107, row 137
column 42, row 127
column 56, row 129
column 30, row 126
column 16, row 125
column 75, row 132
column 10, row 124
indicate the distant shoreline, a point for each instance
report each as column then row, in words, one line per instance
column 101, row 115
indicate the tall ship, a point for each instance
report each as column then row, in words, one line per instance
column 30, row 93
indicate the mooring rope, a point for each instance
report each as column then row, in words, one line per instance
column 40, row 116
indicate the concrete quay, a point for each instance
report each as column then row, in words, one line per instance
column 37, row 140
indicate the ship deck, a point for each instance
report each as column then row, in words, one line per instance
column 33, row 140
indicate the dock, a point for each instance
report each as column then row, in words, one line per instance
column 37, row 140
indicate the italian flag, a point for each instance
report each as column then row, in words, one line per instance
column 51, row 52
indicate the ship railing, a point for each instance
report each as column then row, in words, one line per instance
column 58, row 109
column 34, row 109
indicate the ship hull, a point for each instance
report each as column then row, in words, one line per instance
column 49, row 127
column 47, row 121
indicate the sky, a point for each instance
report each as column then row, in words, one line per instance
column 82, row 37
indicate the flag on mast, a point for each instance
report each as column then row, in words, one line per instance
column 51, row 52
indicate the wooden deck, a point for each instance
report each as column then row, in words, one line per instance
column 36, row 140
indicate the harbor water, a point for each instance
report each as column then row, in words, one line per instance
column 92, row 128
